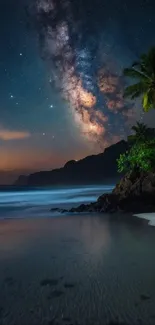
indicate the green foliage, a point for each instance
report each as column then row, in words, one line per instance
column 141, row 157
column 122, row 163
column 144, row 72
column 142, row 133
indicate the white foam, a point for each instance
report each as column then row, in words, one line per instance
column 148, row 216
column 14, row 203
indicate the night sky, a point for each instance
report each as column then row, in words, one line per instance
column 61, row 77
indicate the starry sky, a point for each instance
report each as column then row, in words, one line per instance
column 61, row 77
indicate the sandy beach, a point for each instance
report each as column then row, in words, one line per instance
column 76, row 269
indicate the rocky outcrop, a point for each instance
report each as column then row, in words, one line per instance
column 134, row 193
column 136, row 184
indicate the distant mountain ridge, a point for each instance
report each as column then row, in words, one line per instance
column 90, row 170
column 8, row 177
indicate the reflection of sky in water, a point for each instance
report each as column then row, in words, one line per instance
column 16, row 236
column 95, row 235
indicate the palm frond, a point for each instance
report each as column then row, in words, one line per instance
column 151, row 57
column 147, row 101
column 134, row 128
column 144, row 72
column 134, row 73
column 148, row 62
column 135, row 90
column 142, row 126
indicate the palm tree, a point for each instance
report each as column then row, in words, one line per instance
column 144, row 72
column 142, row 133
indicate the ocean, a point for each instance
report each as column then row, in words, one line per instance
column 17, row 202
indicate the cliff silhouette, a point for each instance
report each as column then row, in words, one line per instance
column 95, row 169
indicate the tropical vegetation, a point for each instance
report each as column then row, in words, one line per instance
column 141, row 153
column 141, row 133
column 143, row 72
column 140, row 157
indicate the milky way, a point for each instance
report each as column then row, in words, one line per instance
column 73, row 43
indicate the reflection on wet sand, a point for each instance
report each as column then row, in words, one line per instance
column 83, row 268
column 16, row 235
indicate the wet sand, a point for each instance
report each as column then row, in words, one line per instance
column 76, row 270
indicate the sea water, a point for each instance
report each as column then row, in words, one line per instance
column 23, row 202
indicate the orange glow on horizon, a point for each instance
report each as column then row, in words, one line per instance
column 20, row 159
column 30, row 160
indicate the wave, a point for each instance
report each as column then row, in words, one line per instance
column 26, row 200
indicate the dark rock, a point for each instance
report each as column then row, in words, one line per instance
column 107, row 203
column 55, row 294
column 134, row 193
column 55, row 209
column 69, row 285
column 144, row 297
column 72, row 210
column 58, row 210
column 137, row 185
column 80, row 208
column 49, row 282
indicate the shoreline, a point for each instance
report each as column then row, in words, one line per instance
column 150, row 217
column 118, row 216
column 49, row 263
column 135, row 193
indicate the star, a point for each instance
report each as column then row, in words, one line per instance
column 43, row 133
column 51, row 106
column 11, row 96
column 21, row 54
